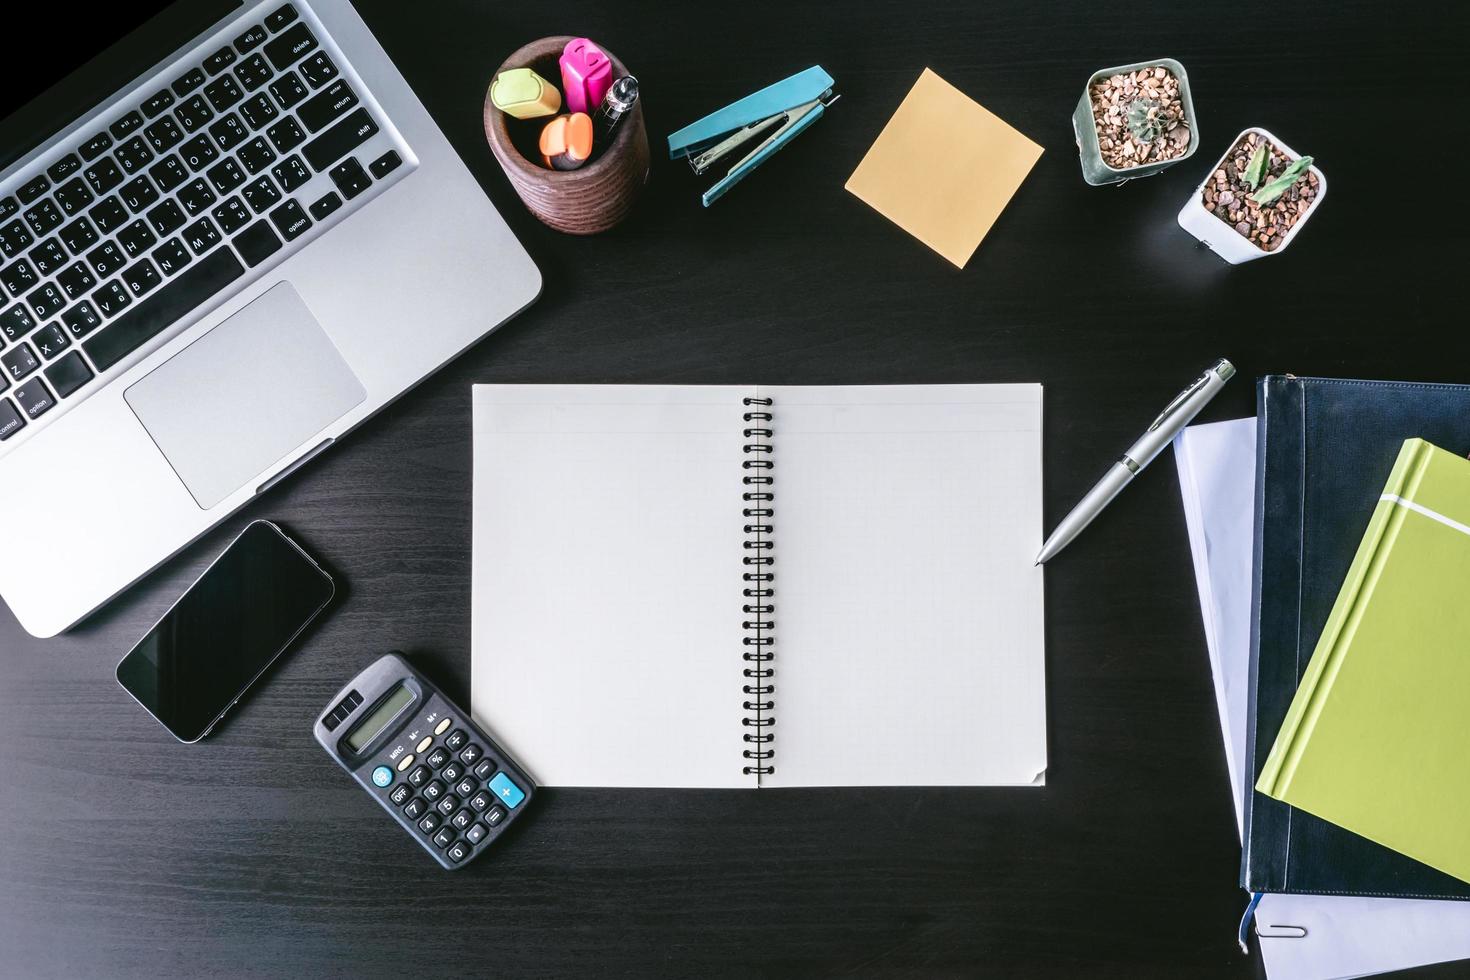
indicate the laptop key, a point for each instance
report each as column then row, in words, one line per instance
column 219, row 61
column 48, row 256
column 34, row 398
column 76, row 280
column 64, row 168
column 196, row 196
column 318, row 70
column 169, row 173
column 251, row 39
column 171, row 256
column 95, row 147
column 19, row 362
column 193, row 113
column 291, row 220
column 285, row 49
column 13, row 238
column 106, row 259
column 327, row 105
column 202, row 236
column 166, row 218
column 79, row 235
column 350, row 178
column 180, row 296
column 223, row 92
column 19, row 276
column 68, row 374
column 11, row 420
column 133, row 155
column 136, row 238
column 325, row 205
column 344, row 137
column 280, row 17
column 229, row 132
column 164, row 134
column 253, row 72
column 261, row 195
column 158, row 102
column 188, row 81
column 288, row 89
column 385, row 164
column 110, row 214
column 199, row 152
column 125, row 125
column 286, row 135
column 33, row 189
column 111, row 299
column 142, row 277
column 50, row 341
column 138, row 194
column 44, row 217
column 291, row 173
column 226, row 176
column 257, row 243
column 73, row 196
column 8, row 207
column 16, row 322
column 46, row 300
column 259, row 110
column 232, row 215
column 81, row 319
column 256, row 155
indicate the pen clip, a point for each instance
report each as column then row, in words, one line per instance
column 1180, row 399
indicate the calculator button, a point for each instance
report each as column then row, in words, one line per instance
column 509, row 793
column 481, row 801
column 462, row 818
column 458, row 852
column 446, row 806
column 444, row 837
column 442, row 727
column 437, row 758
column 471, row 754
column 430, row 823
column 415, row 808
column 382, row 776
column 485, row 769
column 456, row 740
column 419, row 776
column 495, row 816
column 424, row 744
column 451, row 773
column 476, row 833
column 400, row 794
column 434, row 790
column 466, row 787
column 405, row 762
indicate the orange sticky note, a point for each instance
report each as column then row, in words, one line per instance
column 943, row 168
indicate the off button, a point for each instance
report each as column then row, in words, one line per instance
column 382, row 776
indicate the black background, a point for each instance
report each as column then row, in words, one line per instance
column 125, row 853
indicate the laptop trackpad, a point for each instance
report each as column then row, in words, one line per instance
column 237, row 400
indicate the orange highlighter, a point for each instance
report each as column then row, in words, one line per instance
column 566, row 142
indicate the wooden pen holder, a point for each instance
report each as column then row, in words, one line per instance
column 590, row 199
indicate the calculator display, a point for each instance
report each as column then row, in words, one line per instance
column 373, row 724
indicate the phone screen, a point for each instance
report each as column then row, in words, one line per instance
column 228, row 628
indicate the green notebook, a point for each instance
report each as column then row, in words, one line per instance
column 1377, row 739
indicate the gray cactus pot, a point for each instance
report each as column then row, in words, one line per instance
column 1097, row 173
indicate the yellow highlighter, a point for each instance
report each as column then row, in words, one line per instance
column 522, row 93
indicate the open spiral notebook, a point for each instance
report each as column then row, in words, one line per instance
column 726, row 586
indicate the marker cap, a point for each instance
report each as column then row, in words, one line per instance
column 522, row 93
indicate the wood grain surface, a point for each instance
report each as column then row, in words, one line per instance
column 126, row 854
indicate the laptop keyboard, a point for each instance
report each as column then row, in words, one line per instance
column 150, row 218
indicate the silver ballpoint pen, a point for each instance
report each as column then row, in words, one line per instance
column 1175, row 416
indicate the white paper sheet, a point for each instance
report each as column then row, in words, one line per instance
column 1302, row 937
column 607, row 606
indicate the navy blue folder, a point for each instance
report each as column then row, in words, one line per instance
column 1324, row 448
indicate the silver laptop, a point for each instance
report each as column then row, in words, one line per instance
column 258, row 243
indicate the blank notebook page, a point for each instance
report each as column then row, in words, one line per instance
column 909, row 619
column 606, row 611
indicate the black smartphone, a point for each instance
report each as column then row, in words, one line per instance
column 223, row 633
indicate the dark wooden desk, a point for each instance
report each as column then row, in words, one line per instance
column 126, row 854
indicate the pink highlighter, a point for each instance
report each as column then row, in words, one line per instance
column 586, row 75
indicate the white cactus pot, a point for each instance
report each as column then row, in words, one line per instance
column 1224, row 240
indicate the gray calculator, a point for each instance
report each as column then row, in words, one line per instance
column 441, row 777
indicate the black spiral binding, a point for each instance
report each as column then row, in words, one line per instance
column 759, row 590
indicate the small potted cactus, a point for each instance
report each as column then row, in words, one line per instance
column 1134, row 121
column 1255, row 199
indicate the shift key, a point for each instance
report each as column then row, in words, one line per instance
column 340, row 140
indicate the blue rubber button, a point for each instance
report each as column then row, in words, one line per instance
column 508, row 792
column 382, row 776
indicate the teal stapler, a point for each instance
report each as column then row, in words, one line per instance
column 778, row 112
